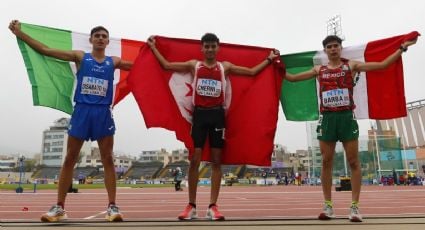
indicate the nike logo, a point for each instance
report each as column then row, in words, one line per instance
column 110, row 128
column 355, row 131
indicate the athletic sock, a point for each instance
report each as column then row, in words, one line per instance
column 328, row 203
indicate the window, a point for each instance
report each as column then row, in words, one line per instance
column 55, row 157
column 57, row 149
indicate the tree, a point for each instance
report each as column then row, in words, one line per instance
column 29, row 165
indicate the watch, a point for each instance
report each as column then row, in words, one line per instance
column 403, row 49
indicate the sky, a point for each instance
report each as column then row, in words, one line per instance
column 290, row 26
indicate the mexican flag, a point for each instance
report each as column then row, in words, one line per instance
column 377, row 95
column 165, row 98
column 53, row 80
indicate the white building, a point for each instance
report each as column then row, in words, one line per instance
column 278, row 156
column 154, row 155
column 179, row 155
column 8, row 162
column 54, row 141
column 122, row 163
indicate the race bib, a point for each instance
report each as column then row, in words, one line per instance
column 208, row 87
column 94, row 86
column 336, row 98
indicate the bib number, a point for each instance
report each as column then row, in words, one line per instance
column 94, row 86
column 336, row 98
column 208, row 87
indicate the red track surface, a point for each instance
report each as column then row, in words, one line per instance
column 253, row 202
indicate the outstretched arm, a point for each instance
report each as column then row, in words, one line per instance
column 187, row 66
column 303, row 75
column 66, row 55
column 122, row 64
column 241, row 70
column 357, row 66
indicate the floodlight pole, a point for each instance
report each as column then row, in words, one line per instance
column 334, row 26
column 377, row 153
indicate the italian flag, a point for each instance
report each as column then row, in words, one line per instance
column 377, row 94
column 53, row 80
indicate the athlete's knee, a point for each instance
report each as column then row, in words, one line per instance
column 69, row 163
column 194, row 163
column 70, row 159
column 327, row 162
column 107, row 159
column 216, row 161
column 216, row 165
column 354, row 163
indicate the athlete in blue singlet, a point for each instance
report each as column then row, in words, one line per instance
column 92, row 117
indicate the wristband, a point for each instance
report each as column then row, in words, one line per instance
column 403, row 49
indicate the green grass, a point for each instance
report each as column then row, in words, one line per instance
column 30, row 187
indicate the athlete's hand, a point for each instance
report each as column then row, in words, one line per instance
column 15, row 26
column 273, row 53
column 151, row 41
column 409, row 43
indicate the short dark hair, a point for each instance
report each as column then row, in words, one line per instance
column 98, row 28
column 209, row 37
column 331, row 38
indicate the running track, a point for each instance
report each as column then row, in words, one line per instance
column 236, row 203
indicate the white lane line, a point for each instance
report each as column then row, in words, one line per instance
column 96, row 215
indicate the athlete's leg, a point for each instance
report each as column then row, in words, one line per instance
column 199, row 136
column 65, row 177
column 351, row 148
column 328, row 151
column 216, row 174
column 193, row 176
column 106, row 152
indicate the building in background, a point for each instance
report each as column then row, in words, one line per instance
column 411, row 132
column 155, row 155
column 54, row 142
column 410, row 128
column 179, row 155
column 7, row 163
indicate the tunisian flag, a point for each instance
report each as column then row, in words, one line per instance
column 165, row 98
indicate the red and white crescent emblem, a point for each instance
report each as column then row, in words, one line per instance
column 182, row 89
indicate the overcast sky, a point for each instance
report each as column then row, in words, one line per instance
column 290, row 26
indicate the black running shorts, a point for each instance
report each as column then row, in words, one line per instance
column 208, row 121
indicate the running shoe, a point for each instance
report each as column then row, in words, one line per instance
column 327, row 213
column 113, row 214
column 214, row 214
column 355, row 215
column 188, row 213
column 55, row 214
